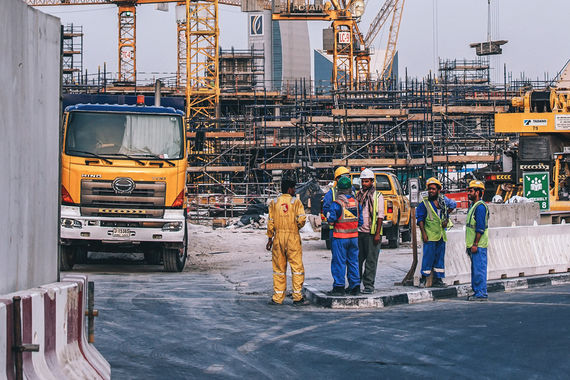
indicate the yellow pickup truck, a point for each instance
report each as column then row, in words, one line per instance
column 397, row 209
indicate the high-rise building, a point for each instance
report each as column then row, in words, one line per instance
column 286, row 48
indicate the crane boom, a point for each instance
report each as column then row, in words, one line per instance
column 41, row 3
column 379, row 21
column 386, row 73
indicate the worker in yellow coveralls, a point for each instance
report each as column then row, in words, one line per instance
column 286, row 217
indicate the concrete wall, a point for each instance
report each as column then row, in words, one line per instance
column 505, row 215
column 29, row 146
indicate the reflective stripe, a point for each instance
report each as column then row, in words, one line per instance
column 439, row 270
column 278, row 273
column 279, row 291
column 296, row 291
column 427, row 272
column 299, row 273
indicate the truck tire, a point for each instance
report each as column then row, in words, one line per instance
column 80, row 255
column 174, row 259
column 66, row 258
column 407, row 233
column 394, row 235
column 328, row 243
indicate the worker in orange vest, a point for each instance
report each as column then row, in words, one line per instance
column 345, row 215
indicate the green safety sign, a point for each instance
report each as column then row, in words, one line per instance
column 536, row 188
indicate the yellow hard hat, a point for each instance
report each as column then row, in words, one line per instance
column 476, row 184
column 340, row 171
column 433, row 181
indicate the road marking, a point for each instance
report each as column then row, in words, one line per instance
column 507, row 302
column 259, row 340
column 538, row 292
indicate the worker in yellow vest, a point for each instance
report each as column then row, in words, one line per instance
column 286, row 217
column 432, row 216
column 370, row 233
column 477, row 239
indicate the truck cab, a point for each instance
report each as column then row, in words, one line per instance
column 123, row 181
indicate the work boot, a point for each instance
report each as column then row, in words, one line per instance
column 473, row 298
column 337, row 291
column 355, row 291
column 302, row 302
column 273, row 303
column 422, row 282
column 438, row 283
column 368, row 290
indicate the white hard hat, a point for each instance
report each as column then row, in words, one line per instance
column 497, row 199
column 367, row 174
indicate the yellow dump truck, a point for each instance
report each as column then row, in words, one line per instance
column 123, row 181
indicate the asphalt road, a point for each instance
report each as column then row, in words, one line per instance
column 196, row 325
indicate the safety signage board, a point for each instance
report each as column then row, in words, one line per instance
column 562, row 122
column 536, row 187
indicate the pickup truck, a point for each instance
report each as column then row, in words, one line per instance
column 397, row 209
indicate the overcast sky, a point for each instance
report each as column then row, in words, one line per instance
column 537, row 32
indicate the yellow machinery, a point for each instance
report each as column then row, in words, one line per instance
column 123, row 183
column 349, row 48
column 542, row 119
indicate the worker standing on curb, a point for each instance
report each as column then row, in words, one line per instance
column 286, row 217
column 346, row 216
column 370, row 232
column 432, row 216
column 477, row 240
column 331, row 195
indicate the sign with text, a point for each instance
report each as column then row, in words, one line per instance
column 343, row 37
column 536, row 187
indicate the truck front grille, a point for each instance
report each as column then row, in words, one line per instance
column 99, row 199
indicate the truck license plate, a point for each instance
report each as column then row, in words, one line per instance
column 121, row 232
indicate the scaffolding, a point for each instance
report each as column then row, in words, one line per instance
column 72, row 54
column 242, row 70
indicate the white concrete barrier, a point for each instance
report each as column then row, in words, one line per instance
column 52, row 317
column 512, row 252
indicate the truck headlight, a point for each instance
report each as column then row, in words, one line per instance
column 70, row 223
column 172, row 226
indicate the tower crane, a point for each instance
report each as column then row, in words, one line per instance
column 349, row 48
column 197, row 50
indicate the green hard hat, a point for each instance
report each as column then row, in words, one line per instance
column 344, row 183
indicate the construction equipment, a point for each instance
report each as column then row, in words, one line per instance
column 123, row 183
column 349, row 48
column 542, row 120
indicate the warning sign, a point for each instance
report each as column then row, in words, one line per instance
column 536, row 188
column 562, row 123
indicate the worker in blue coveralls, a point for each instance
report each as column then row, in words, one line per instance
column 345, row 215
column 432, row 216
column 477, row 239
column 331, row 195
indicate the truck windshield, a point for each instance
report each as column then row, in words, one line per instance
column 135, row 135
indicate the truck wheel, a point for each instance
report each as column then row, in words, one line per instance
column 174, row 259
column 66, row 258
column 394, row 243
column 80, row 255
column 328, row 243
column 407, row 233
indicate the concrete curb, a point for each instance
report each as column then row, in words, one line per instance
column 415, row 295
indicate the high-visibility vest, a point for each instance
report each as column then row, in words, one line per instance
column 346, row 226
column 470, row 232
column 374, row 222
column 432, row 224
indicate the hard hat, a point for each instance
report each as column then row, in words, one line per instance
column 476, row 184
column 344, row 183
column 341, row 170
column 367, row 174
column 433, row 181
